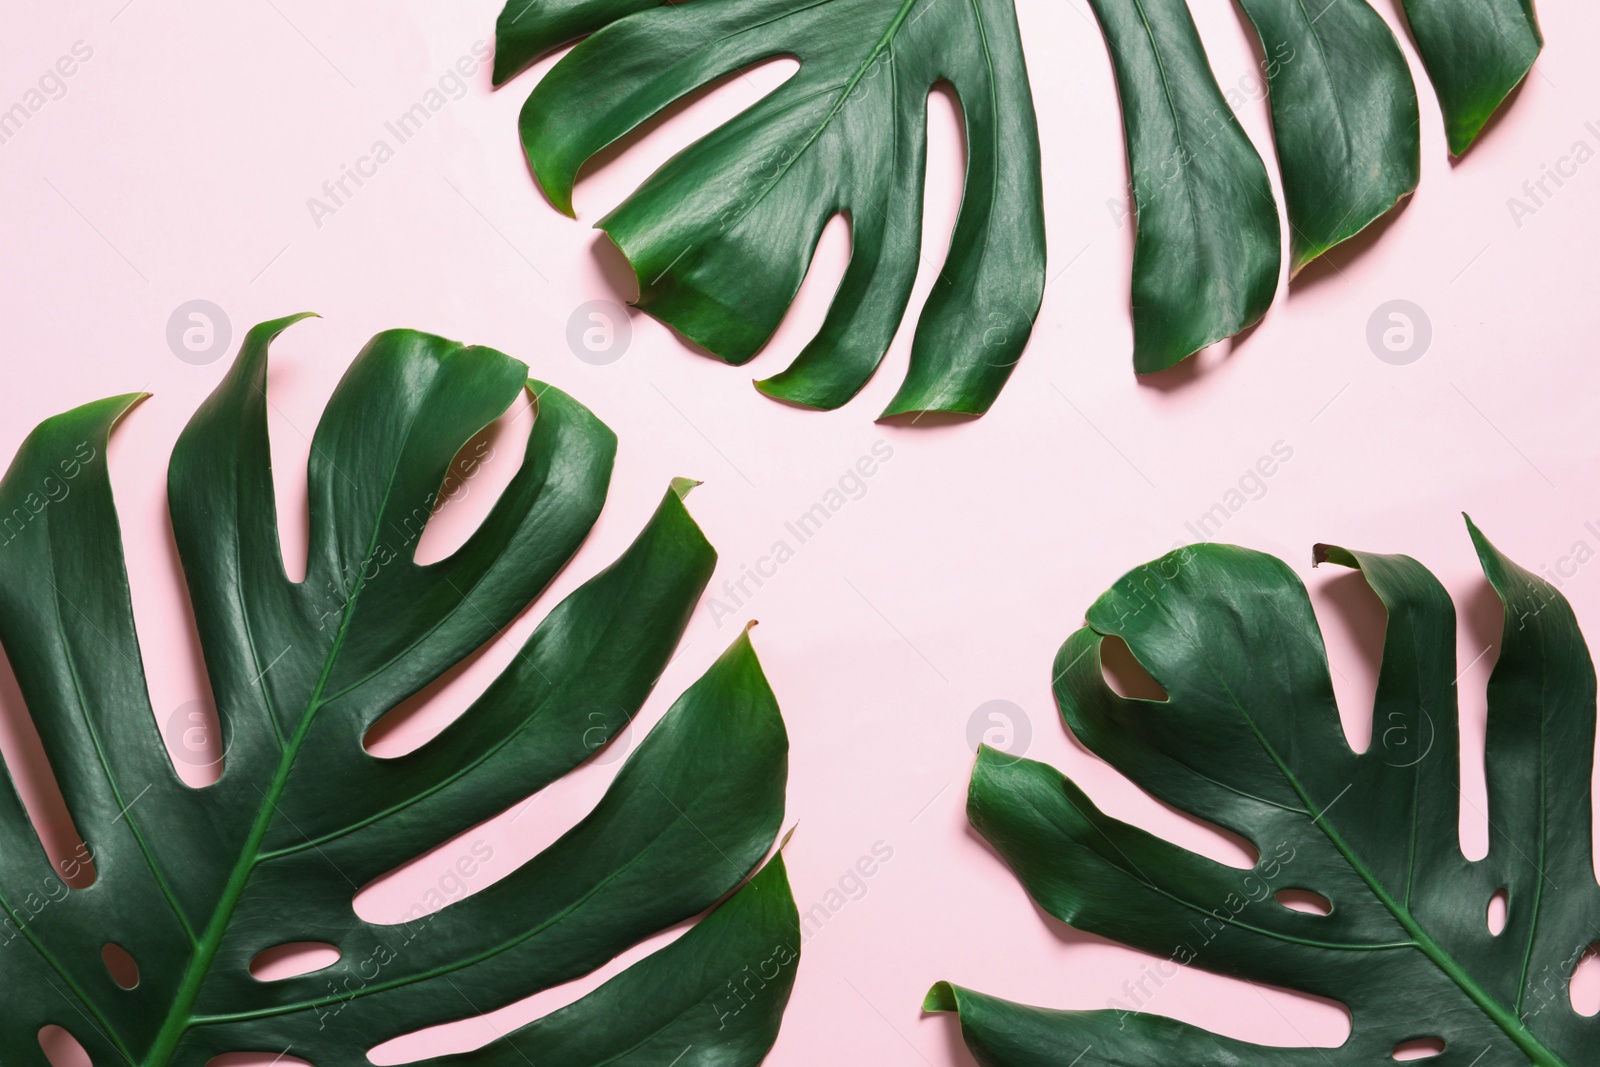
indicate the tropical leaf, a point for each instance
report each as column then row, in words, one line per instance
column 1205, row 254
column 1476, row 52
column 722, row 235
column 1249, row 738
column 195, row 883
column 1344, row 117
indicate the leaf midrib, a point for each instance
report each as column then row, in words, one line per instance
column 1139, row 876
column 1508, row 1022
column 849, row 86
column 1177, row 127
column 180, row 1015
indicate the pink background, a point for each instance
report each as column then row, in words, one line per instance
column 178, row 163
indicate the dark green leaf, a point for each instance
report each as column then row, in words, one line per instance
column 1476, row 52
column 196, row 883
column 722, row 235
column 1250, row 739
column 1344, row 117
column 1205, row 254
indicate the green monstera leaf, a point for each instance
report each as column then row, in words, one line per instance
column 1476, row 52
column 195, row 883
column 1345, row 124
column 1249, row 738
column 722, row 235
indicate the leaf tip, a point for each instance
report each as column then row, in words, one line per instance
column 682, row 487
column 942, row 997
column 1322, row 553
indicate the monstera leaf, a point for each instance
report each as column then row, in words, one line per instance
column 1249, row 739
column 1476, row 52
column 1344, row 119
column 721, row 236
column 195, row 883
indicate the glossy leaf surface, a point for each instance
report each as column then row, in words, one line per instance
column 195, row 883
column 1476, row 52
column 1205, row 253
column 1344, row 117
column 1249, row 739
column 722, row 235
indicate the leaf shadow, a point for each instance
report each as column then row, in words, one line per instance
column 614, row 268
column 1488, row 129
column 35, row 780
column 1193, row 367
column 205, row 764
column 928, row 420
column 621, row 280
column 1362, row 619
column 1484, row 619
column 1332, row 262
column 956, row 1052
column 1062, row 932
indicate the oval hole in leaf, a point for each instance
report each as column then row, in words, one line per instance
column 123, row 969
column 1125, row 674
column 62, row 1049
column 1304, row 900
column 1584, row 985
column 1419, row 1048
column 292, row 959
column 1497, row 912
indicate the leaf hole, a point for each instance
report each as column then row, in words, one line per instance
column 1418, row 1048
column 120, row 965
column 1125, row 674
column 479, row 473
column 1354, row 622
column 62, row 1049
column 1304, row 900
column 23, row 755
column 193, row 734
column 1584, row 985
column 695, row 114
column 453, row 871
column 292, row 960
column 292, row 402
column 1498, row 913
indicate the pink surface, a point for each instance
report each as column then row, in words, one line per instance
column 176, row 164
